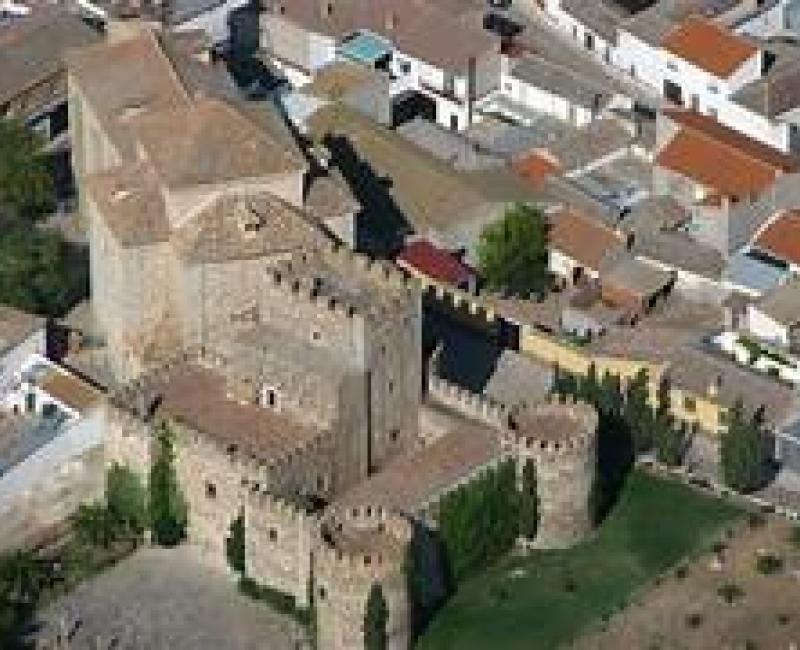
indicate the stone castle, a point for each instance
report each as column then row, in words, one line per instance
column 231, row 306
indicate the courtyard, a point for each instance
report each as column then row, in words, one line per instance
column 547, row 599
column 160, row 598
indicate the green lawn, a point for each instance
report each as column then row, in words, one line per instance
column 548, row 598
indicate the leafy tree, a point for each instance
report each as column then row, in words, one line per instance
column 376, row 617
column 638, row 413
column 743, row 454
column 126, row 500
column 26, row 183
column 234, row 545
column 669, row 438
column 512, row 252
column 167, row 507
column 478, row 522
column 39, row 274
column 529, row 501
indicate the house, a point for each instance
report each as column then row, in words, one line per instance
column 729, row 183
column 21, row 335
column 592, row 25
column 33, row 82
column 435, row 265
column 51, row 454
column 579, row 246
column 775, row 318
column 532, row 86
column 705, row 61
column 634, row 285
column 779, row 240
column 446, row 64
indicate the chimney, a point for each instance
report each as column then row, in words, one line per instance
column 326, row 8
column 391, row 21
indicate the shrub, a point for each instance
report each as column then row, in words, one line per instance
column 681, row 572
column 769, row 564
column 730, row 592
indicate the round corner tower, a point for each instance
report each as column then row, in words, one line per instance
column 561, row 439
column 359, row 548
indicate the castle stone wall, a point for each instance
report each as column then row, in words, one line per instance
column 566, row 469
column 278, row 545
column 344, row 577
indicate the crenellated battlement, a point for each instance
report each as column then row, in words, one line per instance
column 361, row 545
column 555, row 429
column 472, row 405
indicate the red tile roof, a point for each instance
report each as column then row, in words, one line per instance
column 585, row 240
column 781, row 239
column 537, row 166
column 720, row 158
column 709, row 46
column 435, row 263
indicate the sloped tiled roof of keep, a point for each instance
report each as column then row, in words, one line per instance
column 210, row 143
column 720, row 158
column 781, row 238
column 586, row 240
column 235, row 227
column 420, row 29
column 709, row 46
column 131, row 202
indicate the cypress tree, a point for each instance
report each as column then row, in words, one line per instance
column 376, row 617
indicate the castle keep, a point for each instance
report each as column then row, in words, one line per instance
column 288, row 367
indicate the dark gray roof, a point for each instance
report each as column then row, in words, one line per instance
column 677, row 250
column 559, row 81
column 600, row 16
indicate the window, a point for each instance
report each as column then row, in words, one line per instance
column 395, row 433
column 391, row 387
column 712, row 88
column 322, row 593
column 405, row 66
column 315, row 335
column 273, row 535
column 269, row 397
column 211, row 491
column 689, row 404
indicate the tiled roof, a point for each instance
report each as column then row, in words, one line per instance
column 70, row 390
column 214, row 143
column 783, row 303
column 420, row 29
column 196, row 397
column 709, row 46
column 781, row 238
column 586, row 240
column 720, row 158
column 16, row 326
column 537, row 166
column 435, row 263
column 33, row 48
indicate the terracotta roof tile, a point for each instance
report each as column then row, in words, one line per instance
column 709, row 46
column 781, row 239
column 720, row 158
column 435, row 263
column 584, row 239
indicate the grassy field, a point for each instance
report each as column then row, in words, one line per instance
column 549, row 598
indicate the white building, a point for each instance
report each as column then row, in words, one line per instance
column 427, row 51
column 775, row 318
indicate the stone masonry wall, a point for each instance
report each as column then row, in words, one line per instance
column 278, row 543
